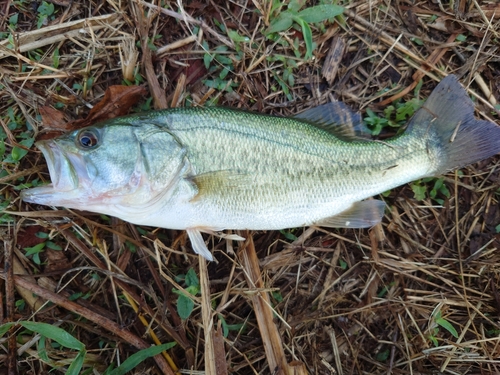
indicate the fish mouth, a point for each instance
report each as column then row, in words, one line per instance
column 65, row 172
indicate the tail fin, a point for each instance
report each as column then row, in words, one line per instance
column 448, row 114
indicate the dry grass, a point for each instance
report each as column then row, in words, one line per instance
column 330, row 302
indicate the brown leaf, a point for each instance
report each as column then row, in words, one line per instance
column 53, row 119
column 56, row 260
column 28, row 237
column 117, row 101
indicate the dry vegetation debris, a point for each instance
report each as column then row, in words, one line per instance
column 415, row 295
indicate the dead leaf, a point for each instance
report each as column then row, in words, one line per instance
column 56, row 260
column 28, row 237
column 117, row 102
column 53, row 119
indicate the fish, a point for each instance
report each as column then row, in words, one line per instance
column 206, row 170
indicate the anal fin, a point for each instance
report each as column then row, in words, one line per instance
column 363, row 214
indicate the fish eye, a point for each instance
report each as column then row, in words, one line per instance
column 88, row 138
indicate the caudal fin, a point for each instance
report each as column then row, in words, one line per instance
column 448, row 115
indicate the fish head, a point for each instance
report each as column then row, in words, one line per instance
column 108, row 168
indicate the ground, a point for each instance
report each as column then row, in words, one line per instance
column 416, row 294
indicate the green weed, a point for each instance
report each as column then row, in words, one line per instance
column 185, row 305
column 437, row 321
column 226, row 328
column 45, row 14
column 35, row 251
column 219, row 64
column 282, row 20
column 53, row 337
column 395, row 115
column 431, row 187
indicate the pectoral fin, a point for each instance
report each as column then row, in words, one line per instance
column 217, row 182
column 198, row 243
column 363, row 214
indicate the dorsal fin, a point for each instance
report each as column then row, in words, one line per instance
column 338, row 119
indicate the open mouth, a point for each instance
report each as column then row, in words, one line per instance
column 62, row 174
column 61, row 170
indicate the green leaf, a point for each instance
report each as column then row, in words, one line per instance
column 77, row 364
column 223, row 73
column 237, row 38
column 13, row 19
column 418, row 191
column 192, row 278
column 20, row 304
column 27, row 142
column 54, row 333
column 320, row 13
column 2, row 149
column 193, row 289
column 225, row 328
column 55, row 58
column 185, row 306
column 434, row 341
column 34, row 249
column 131, row 247
column 75, row 296
column 36, row 259
column 288, row 235
column 4, row 328
column 277, row 296
column 53, row 246
column 131, row 362
column 47, row 9
column 343, row 264
column 295, row 5
column 447, row 326
column 307, row 34
column 42, row 351
column 382, row 356
column 18, row 153
column 417, row 41
column 280, row 23
column 224, row 60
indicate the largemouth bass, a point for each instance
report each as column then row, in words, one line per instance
column 209, row 169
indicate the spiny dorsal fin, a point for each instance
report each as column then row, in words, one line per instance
column 338, row 119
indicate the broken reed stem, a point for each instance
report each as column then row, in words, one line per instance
column 206, row 313
column 271, row 338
